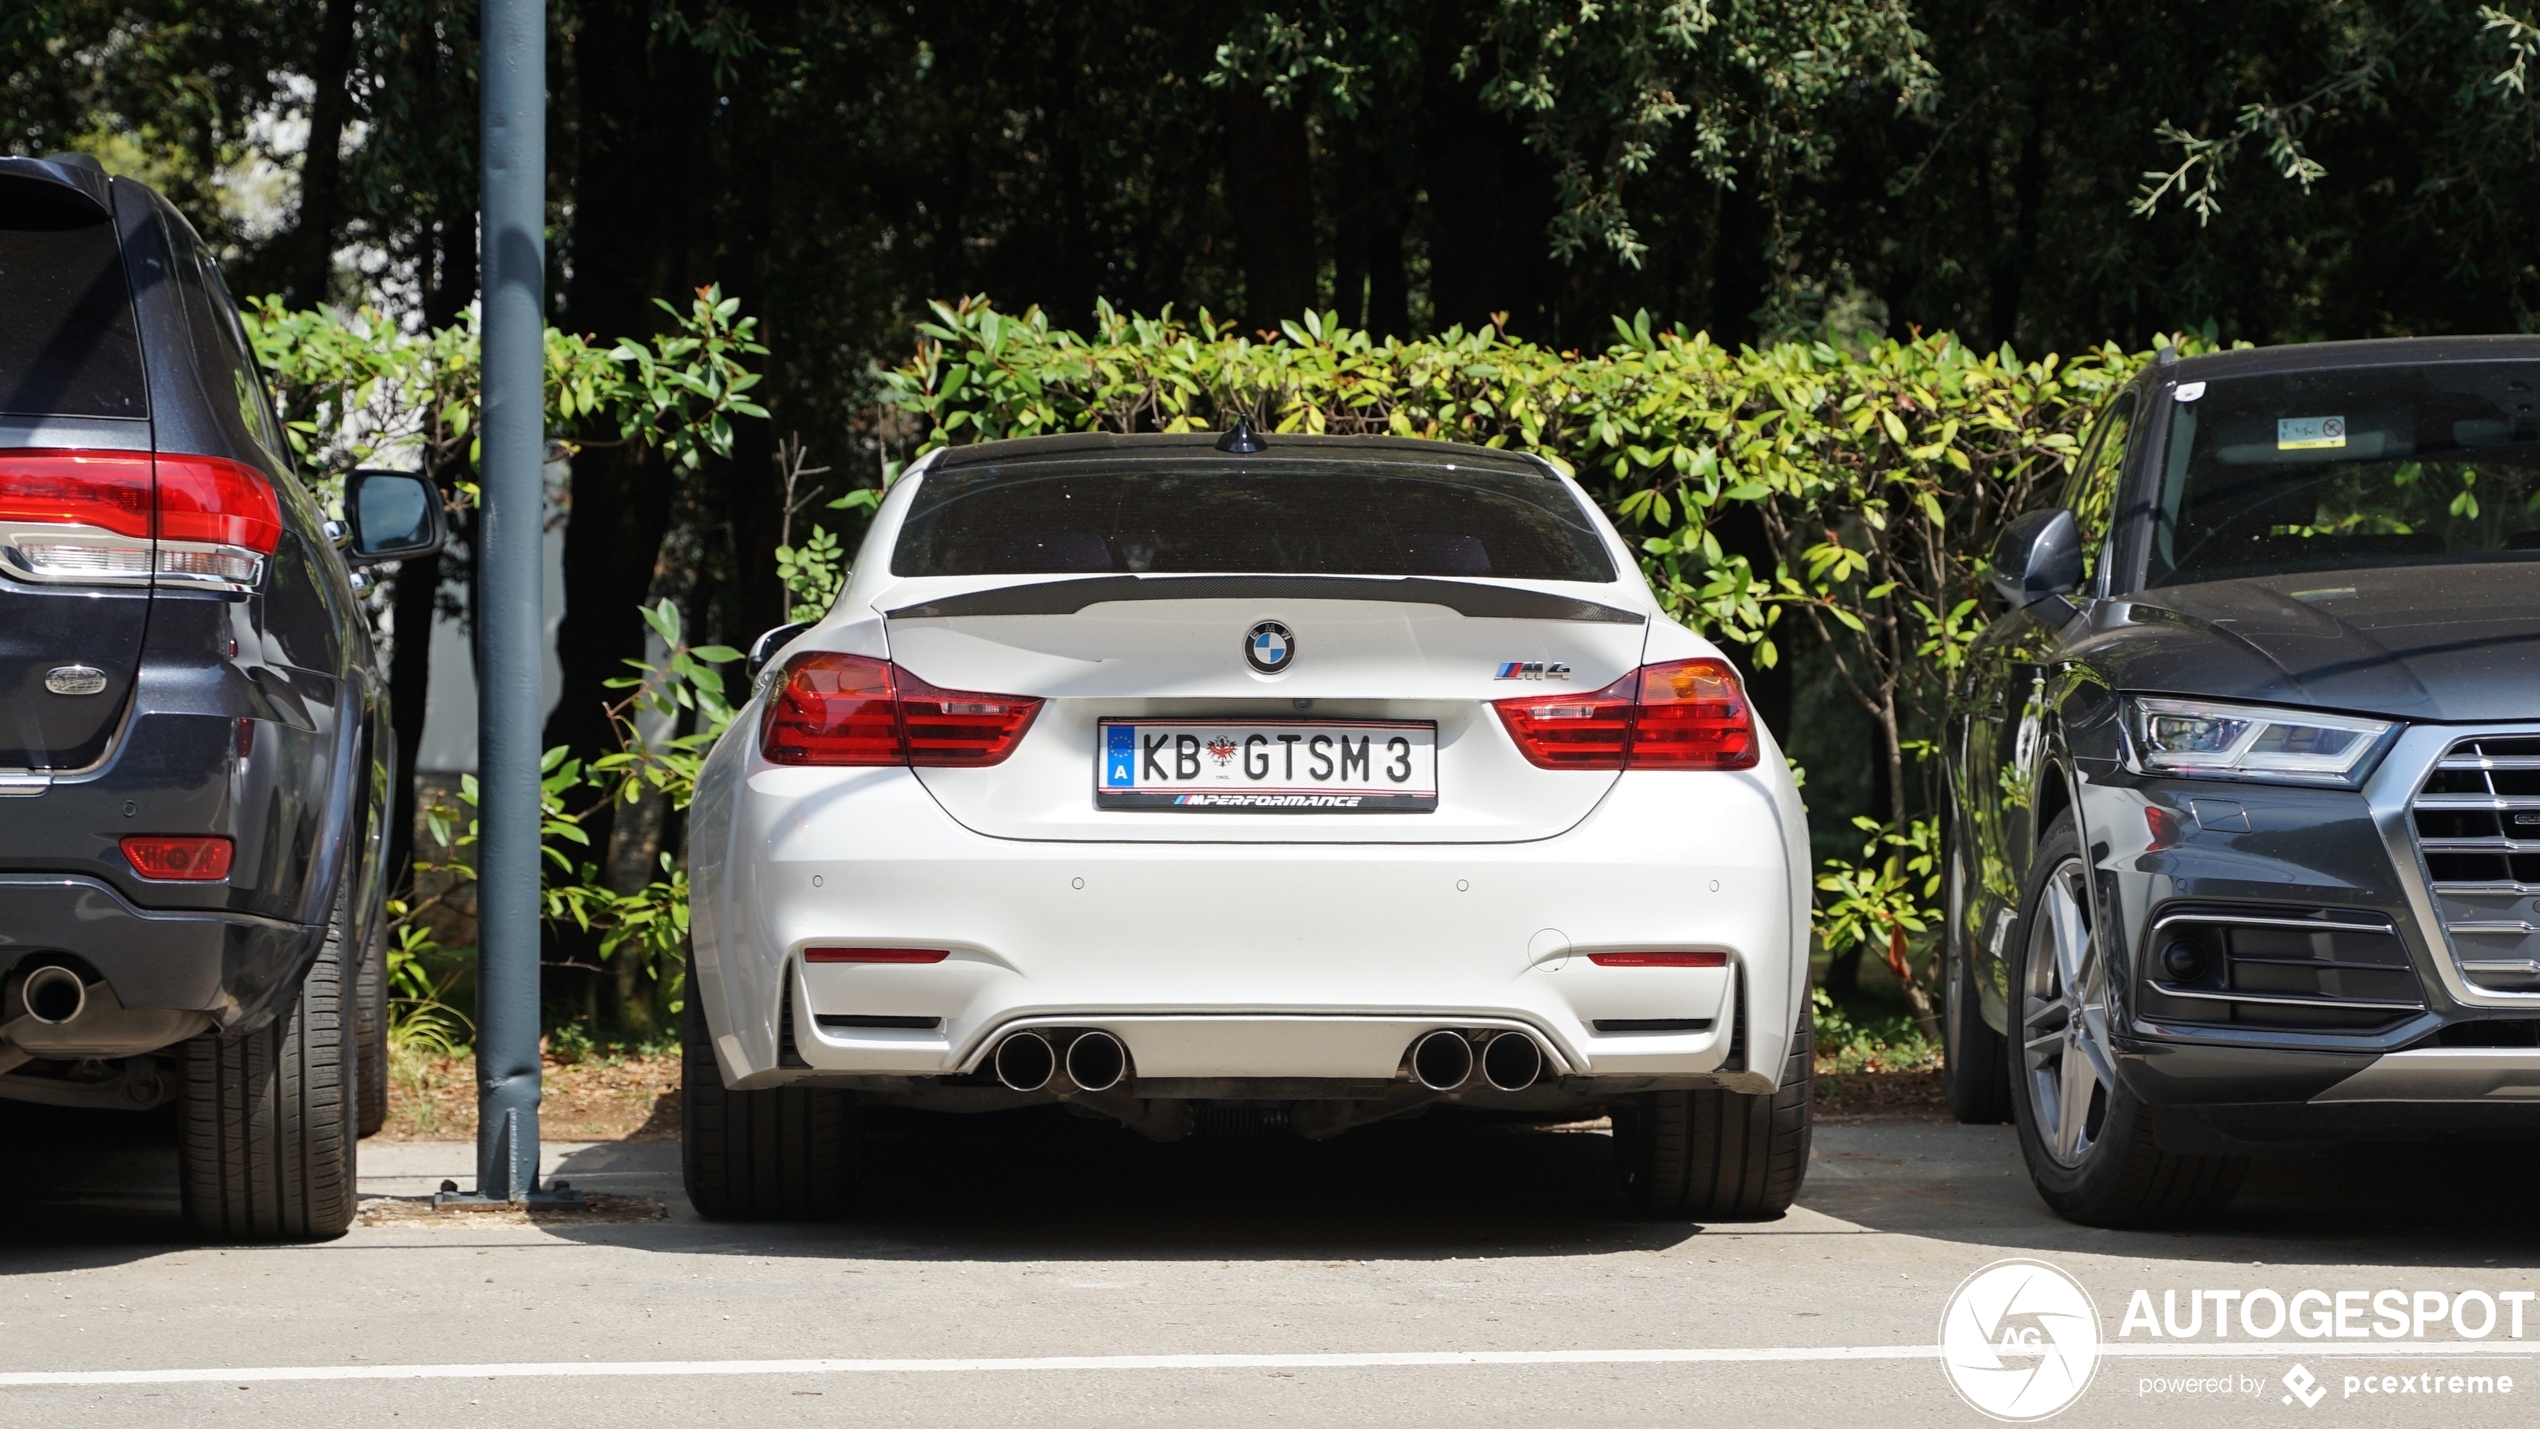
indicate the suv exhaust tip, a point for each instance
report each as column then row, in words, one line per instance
column 1512, row 1062
column 1096, row 1061
column 1025, row 1063
column 1442, row 1060
column 53, row 995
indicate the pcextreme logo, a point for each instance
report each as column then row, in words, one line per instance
column 2305, row 1386
column 2019, row 1340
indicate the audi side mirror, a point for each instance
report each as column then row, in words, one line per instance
column 764, row 648
column 2038, row 560
column 396, row 516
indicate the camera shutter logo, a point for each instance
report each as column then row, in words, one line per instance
column 1269, row 647
column 2019, row 1341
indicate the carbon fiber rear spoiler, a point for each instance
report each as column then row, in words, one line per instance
column 1066, row 597
column 59, row 188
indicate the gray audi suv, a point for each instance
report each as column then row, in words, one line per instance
column 2245, row 785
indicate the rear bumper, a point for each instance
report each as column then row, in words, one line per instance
column 235, row 968
column 1255, row 961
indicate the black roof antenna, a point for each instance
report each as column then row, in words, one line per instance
column 2166, row 355
column 1240, row 438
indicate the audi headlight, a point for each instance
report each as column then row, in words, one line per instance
column 2195, row 739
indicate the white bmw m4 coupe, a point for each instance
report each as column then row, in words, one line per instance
column 1314, row 780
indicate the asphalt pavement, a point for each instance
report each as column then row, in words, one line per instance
column 1044, row 1270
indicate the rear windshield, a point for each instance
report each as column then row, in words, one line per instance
column 2387, row 466
column 1230, row 518
column 67, row 345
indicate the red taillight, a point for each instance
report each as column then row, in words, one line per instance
column 205, row 498
column 178, row 858
column 1659, row 960
column 75, row 516
column 832, row 709
column 107, row 490
column 874, row 955
column 1588, row 730
column 958, row 729
column 1683, row 714
column 91, row 516
column 1693, row 715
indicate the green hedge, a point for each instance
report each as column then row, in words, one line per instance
column 1853, row 489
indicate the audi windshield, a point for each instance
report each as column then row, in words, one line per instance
column 2430, row 464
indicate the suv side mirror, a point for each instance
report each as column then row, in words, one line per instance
column 396, row 516
column 764, row 648
column 2038, row 559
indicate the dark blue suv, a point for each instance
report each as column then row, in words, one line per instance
column 193, row 720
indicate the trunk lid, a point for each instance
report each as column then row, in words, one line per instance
column 1174, row 648
column 75, row 470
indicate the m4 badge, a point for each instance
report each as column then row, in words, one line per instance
column 1532, row 670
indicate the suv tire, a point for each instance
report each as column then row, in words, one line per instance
column 2110, row 1172
column 270, row 1118
column 1716, row 1155
column 370, row 997
column 784, row 1154
column 1975, row 1059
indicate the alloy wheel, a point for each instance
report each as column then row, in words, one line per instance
column 2064, row 1021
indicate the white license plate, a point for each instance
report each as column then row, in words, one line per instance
column 1268, row 766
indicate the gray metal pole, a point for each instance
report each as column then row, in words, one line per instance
column 510, row 582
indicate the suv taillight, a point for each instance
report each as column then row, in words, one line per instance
column 1683, row 714
column 76, row 516
column 122, row 517
column 832, row 709
column 218, row 520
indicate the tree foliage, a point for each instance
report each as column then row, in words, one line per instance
column 1604, row 90
column 358, row 390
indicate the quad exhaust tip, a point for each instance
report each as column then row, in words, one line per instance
column 1442, row 1060
column 1096, row 1061
column 1025, row 1062
column 1512, row 1062
column 53, row 995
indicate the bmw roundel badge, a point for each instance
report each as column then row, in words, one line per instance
column 1270, row 647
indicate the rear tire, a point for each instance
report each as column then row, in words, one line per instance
column 271, row 1118
column 784, row 1154
column 1721, row 1156
column 2097, row 1162
column 370, row 995
column 1975, row 1059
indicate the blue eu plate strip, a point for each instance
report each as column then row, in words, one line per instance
column 1119, row 756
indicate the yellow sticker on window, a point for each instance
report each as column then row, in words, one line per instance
column 2305, row 433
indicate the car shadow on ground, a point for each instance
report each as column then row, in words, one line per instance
column 98, row 1188
column 1042, row 1184
column 2417, row 1204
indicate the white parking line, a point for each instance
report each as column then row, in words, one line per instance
column 590, row 1369
column 1040, row 1363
